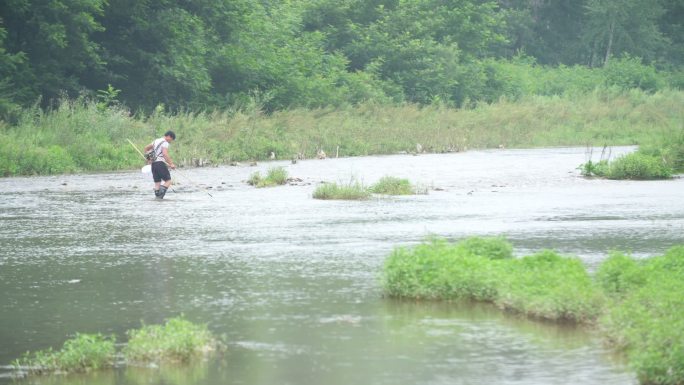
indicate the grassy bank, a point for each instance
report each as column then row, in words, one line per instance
column 176, row 340
column 638, row 305
column 77, row 136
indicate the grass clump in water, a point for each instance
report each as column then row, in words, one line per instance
column 636, row 165
column 276, row 176
column 441, row 270
column 390, row 185
column 177, row 340
column 353, row 190
column 646, row 316
column 544, row 285
column 80, row 353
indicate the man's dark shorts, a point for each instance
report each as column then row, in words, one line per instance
column 160, row 172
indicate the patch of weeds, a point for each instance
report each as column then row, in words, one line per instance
column 276, row 176
column 438, row 269
column 80, row 353
column 177, row 340
column 490, row 247
column 353, row 190
column 549, row 286
column 545, row 285
column 390, row 185
column 638, row 166
column 590, row 168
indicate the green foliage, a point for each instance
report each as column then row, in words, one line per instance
column 276, row 176
column 619, row 274
column 81, row 353
column 591, row 168
column 489, row 247
column 544, row 285
column 638, row 166
column 107, row 98
column 200, row 56
column 389, row 185
column 647, row 319
column 669, row 148
column 549, row 286
column 354, row 190
column 629, row 72
column 437, row 269
column 614, row 27
column 177, row 340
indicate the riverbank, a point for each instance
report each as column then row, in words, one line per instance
column 77, row 136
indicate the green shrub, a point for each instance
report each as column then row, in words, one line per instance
column 354, row 190
column 177, row 340
column 81, row 353
column 638, row 166
column 630, row 73
column 389, row 185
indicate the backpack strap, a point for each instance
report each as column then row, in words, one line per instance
column 156, row 148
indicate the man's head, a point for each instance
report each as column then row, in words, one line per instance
column 170, row 136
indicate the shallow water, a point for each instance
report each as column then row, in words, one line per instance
column 292, row 282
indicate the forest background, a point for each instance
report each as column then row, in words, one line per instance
column 151, row 61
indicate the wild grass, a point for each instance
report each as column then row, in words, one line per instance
column 177, row 340
column 440, row 270
column 636, row 165
column 390, row 185
column 545, row 285
column 76, row 135
column 83, row 352
column 353, row 190
column 549, row 286
column 274, row 177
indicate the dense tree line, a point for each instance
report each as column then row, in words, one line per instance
column 282, row 53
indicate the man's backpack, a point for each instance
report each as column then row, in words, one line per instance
column 151, row 155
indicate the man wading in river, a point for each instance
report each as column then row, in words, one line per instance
column 159, row 155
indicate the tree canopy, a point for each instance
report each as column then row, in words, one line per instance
column 307, row 53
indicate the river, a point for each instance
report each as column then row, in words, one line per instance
column 292, row 283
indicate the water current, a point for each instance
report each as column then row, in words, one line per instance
column 292, row 283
